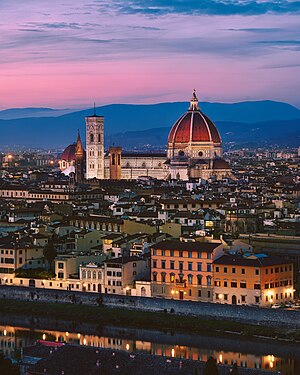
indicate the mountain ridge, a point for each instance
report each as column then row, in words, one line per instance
column 237, row 118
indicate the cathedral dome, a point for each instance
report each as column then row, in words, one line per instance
column 194, row 126
column 69, row 153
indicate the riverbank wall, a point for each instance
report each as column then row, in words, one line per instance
column 245, row 314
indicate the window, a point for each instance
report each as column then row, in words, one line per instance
column 256, row 299
column 180, row 265
column 217, row 296
column 171, row 253
column 225, row 270
column 190, row 266
column 163, row 253
column 256, row 271
column 199, row 255
column 134, row 265
column 256, row 286
column 180, row 254
column 163, row 264
column 233, row 270
column 225, row 297
column 208, row 255
column 233, row 284
column 60, row 275
column 243, row 271
column 163, row 277
column 91, row 137
column 154, row 276
column 199, row 293
column 190, row 279
column 99, row 138
column 60, row 265
column 154, row 264
column 217, row 269
column 190, row 254
column 199, row 267
column 208, row 280
column 243, row 285
column 199, row 279
column 217, row 283
column 225, row 284
column 171, row 265
column 208, row 267
column 172, row 277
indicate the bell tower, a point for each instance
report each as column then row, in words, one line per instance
column 79, row 161
column 94, row 146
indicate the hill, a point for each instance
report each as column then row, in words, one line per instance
column 261, row 121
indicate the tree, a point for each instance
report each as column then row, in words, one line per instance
column 234, row 370
column 6, row 367
column 210, row 367
column 50, row 252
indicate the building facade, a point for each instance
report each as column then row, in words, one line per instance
column 183, row 270
column 252, row 279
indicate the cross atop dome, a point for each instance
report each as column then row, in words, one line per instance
column 194, row 106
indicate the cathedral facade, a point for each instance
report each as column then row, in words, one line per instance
column 194, row 150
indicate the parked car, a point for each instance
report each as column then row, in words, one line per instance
column 275, row 306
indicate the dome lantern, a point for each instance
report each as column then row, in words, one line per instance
column 194, row 103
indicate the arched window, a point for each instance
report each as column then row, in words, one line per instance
column 91, row 137
column 172, row 277
column 99, row 138
column 199, row 279
column 208, row 280
column 154, row 276
column 113, row 159
column 89, row 274
column 83, row 274
column 190, row 279
column 99, row 275
column 94, row 275
column 143, row 291
column 163, row 277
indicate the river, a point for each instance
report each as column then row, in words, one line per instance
column 18, row 332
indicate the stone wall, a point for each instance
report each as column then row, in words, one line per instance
column 251, row 315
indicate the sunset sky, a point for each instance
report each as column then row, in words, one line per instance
column 70, row 53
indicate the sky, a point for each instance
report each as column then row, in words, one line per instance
column 70, row 53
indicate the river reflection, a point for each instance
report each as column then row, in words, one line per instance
column 13, row 339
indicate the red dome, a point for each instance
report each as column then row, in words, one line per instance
column 69, row 153
column 194, row 126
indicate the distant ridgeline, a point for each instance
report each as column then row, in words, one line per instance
column 257, row 123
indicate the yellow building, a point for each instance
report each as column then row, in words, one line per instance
column 252, row 279
column 183, row 270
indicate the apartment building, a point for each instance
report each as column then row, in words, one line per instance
column 183, row 270
column 252, row 279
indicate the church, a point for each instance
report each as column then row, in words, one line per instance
column 194, row 150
